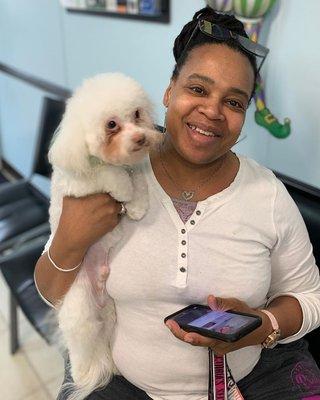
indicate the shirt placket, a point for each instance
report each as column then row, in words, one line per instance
column 183, row 246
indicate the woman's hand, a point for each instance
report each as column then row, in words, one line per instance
column 218, row 346
column 85, row 220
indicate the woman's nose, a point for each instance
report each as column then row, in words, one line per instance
column 212, row 109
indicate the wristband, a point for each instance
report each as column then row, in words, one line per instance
column 61, row 269
column 272, row 318
column 272, row 340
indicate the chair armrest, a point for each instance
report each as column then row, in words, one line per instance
column 11, row 245
column 13, row 191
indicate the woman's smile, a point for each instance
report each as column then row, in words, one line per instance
column 200, row 136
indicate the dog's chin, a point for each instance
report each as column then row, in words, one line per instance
column 130, row 157
column 135, row 155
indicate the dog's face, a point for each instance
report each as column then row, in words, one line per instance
column 121, row 135
column 108, row 117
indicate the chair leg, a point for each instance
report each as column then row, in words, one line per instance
column 14, row 342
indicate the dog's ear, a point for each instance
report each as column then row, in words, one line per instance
column 68, row 149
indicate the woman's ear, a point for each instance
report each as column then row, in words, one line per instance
column 69, row 150
column 167, row 95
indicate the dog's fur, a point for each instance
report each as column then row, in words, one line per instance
column 89, row 155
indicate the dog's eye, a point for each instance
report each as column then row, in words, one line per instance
column 111, row 124
column 137, row 114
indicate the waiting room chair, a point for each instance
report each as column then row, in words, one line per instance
column 3, row 179
column 23, row 208
column 17, row 269
column 24, row 229
column 307, row 199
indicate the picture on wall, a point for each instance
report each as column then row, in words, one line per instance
column 152, row 10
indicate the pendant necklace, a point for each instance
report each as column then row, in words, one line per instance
column 187, row 195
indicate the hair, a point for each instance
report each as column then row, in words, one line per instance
column 181, row 52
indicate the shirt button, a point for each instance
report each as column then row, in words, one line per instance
column 192, row 222
column 183, row 255
column 182, row 269
column 183, row 242
column 183, row 231
column 198, row 212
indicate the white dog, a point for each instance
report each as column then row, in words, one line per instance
column 106, row 131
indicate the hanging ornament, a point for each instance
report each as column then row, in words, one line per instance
column 220, row 5
column 251, row 14
column 252, row 8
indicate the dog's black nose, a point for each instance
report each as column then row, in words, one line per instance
column 141, row 141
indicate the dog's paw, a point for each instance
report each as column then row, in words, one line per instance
column 134, row 212
column 123, row 195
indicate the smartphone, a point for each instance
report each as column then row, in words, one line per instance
column 228, row 326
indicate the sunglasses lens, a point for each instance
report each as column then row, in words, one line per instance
column 253, row 47
column 214, row 30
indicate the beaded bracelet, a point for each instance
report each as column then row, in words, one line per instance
column 61, row 269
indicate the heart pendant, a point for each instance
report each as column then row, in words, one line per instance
column 187, row 195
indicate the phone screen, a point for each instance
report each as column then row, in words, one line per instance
column 225, row 325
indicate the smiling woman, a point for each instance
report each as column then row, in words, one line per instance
column 220, row 230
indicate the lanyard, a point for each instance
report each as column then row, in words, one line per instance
column 222, row 385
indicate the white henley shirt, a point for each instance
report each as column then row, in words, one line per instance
column 248, row 241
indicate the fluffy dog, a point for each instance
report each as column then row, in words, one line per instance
column 105, row 133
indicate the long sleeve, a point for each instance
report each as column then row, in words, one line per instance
column 294, row 272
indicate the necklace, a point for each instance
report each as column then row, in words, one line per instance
column 187, row 195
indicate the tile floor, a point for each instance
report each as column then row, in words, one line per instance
column 35, row 372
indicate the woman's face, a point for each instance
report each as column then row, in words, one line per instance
column 207, row 102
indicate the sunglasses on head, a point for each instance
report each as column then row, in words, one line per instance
column 220, row 33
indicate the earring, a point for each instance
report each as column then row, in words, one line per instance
column 240, row 140
column 164, row 129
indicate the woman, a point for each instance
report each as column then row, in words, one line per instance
column 220, row 229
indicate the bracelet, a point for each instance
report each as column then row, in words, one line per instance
column 272, row 318
column 61, row 269
column 271, row 340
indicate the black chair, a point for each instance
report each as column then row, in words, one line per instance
column 17, row 269
column 307, row 199
column 23, row 208
column 3, row 179
column 24, row 229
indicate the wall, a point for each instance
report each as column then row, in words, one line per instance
column 40, row 38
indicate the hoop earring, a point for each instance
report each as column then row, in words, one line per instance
column 240, row 140
column 164, row 130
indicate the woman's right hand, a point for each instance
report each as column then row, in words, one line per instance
column 85, row 220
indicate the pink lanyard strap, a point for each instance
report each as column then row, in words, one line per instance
column 221, row 385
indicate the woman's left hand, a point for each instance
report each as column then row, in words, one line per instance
column 218, row 346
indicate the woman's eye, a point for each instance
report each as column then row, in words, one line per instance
column 137, row 114
column 236, row 104
column 111, row 124
column 197, row 90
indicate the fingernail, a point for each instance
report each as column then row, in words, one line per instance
column 212, row 302
column 188, row 340
column 169, row 326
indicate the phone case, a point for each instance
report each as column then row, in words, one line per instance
column 216, row 335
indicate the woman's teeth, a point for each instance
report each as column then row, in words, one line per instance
column 206, row 133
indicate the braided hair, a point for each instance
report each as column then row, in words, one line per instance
column 227, row 21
